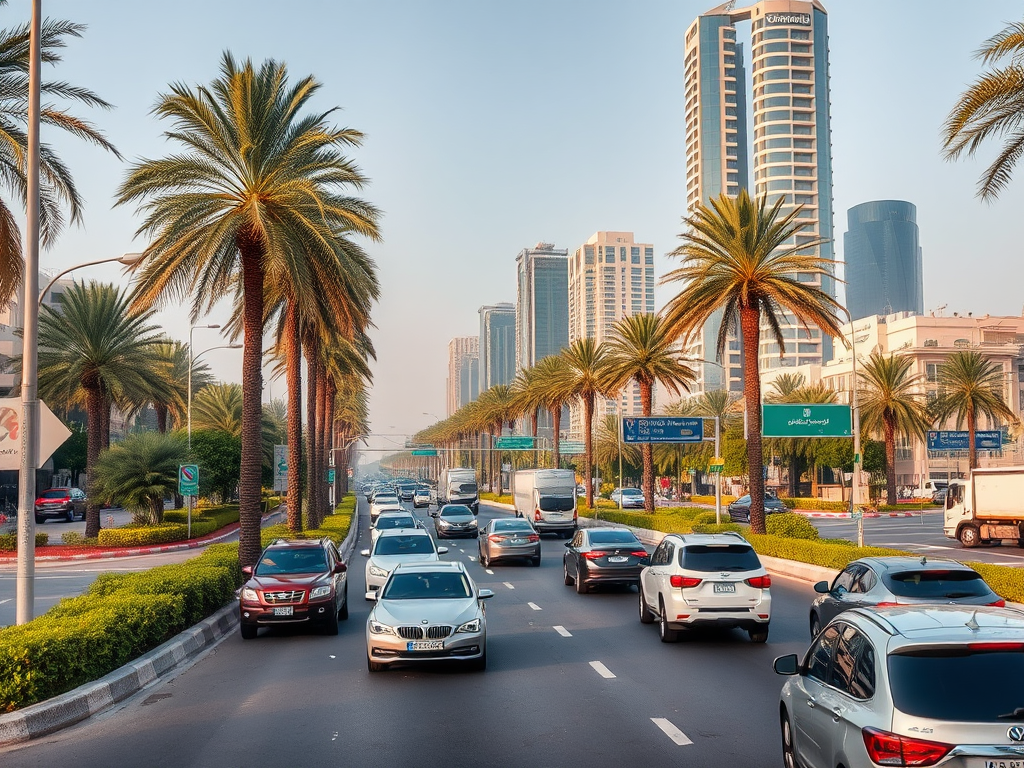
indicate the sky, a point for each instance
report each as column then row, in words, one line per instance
column 493, row 126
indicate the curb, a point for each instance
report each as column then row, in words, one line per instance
column 90, row 699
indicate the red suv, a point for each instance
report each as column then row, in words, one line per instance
column 295, row 581
column 61, row 503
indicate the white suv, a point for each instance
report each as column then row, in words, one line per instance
column 704, row 580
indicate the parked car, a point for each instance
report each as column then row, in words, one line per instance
column 939, row 496
column 739, row 510
column 632, row 498
column 295, row 581
column 603, row 556
column 921, row 685
column 427, row 612
column 697, row 580
column 60, row 503
column 392, row 547
column 453, row 520
column 873, row 581
column 421, row 498
column 502, row 539
column 392, row 520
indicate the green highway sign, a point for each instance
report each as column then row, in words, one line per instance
column 514, row 443
column 715, row 469
column 806, row 420
column 188, row 480
column 424, row 452
column 330, row 475
column 571, row 447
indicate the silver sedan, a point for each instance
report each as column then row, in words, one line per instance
column 427, row 612
column 502, row 539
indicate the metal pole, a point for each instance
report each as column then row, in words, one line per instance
column 718, row 475
column 620, row 460
column 188, row 408
column 855, row 494
column 25, row 598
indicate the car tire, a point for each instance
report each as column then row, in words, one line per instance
column 476, row 535
column 248, row 631
column 759, row 635
column 665, row 632
column 969, row 536
column 535, row 561
column 646, row 615
column 343, row 613
column 69, row 516
column 815, row 625
column 485, row 561
column 581, row 584
column 569, row 580
column 788, row 752
column 374, row 666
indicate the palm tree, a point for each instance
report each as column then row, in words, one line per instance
column 218, row 407
column 739, row 258
column 170, row 391
column 891, row 403
column 255, row 195
column 587, row 361
column 784, row 385
column 528, row 401
column 498, row 408
column 554, row 381
column 640, row 349
column 57, row 188
column 992, row 108
column 140, row 472
column 970, row 385
column 93, row 351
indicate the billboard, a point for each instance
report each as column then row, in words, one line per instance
column 806, row 420
column 957, row 440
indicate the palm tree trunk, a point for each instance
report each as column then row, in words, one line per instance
column 972, row 428
column 588, row 437
column 890, row 460
column 750, row 324
column 647, row 450
column 293, row 372
column 94, row 406
column 533, row 431
column 161, row 419
column 312, row 388
column 556, row 426
column 105, row 423
column 249, row 479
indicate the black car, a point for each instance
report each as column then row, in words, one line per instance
column 603, row 556
column 739, row 510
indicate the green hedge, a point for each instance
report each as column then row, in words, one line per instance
column 819, row 504
column 791, row 526
column 505, row 498
column 142, row 535
column 9, row 541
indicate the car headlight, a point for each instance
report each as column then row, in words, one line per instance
column 250, row 594
column 442, row 522
column 470, row 626
column 376, row 628
column 473, row 522
column 319, row 592
column 376, row 571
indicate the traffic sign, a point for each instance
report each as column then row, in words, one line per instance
column 957, row 440
column 330, row 475
column 280, row 468
column 424, row 452
column 188, row 480
column 715, row 469
column 571, row 447
column 806, row 420
column 52, row 433
column 662, row 429
column 517, row 443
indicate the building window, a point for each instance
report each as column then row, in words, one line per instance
column 648, row 255
column 589, row 251
column 931, row 372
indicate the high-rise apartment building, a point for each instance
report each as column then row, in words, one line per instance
column 610, row 277
column 786, row 121
column 497, row 345
column 882, row 251
column 463, row 371
column 542, row 303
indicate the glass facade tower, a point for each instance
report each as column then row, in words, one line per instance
column 882, row 251
column 497, row 345
column 542, row 303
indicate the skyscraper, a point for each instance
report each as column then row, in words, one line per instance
column 610, row 277
column 791, row 146
column 542, row 303
column 497, row 345
column 463, row 371
column 882, row 252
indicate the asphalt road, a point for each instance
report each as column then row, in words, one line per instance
column 570, row 679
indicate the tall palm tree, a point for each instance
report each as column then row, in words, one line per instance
column 587, row 361
column 739, row 257
column 554, row 382
column 992, row 108
column 970, row 385
column 255, row 194
column 57, row 188
column 640, row 349
column 891, row 403
column 498, row 408
column 93, row 350
column 170, row 390
column 218, row 407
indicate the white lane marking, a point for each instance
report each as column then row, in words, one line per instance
column 509, row 585
column 473, row 559
column 5, row 601
column 333, row 656
column 488, row 570
column 671, row 731
column 534, row 606
column 602, row 670
column 562, row 631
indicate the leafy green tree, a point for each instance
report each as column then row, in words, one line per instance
column 219, row 456
column 739, row 258
column 72, row 452
column 140, row 472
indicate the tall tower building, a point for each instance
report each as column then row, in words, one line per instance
column 542, row 303
column 789, row 114
column 463, row 371
column 610, row 277
column 497, row 345
column 882, row 252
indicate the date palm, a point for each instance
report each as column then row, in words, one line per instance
column 170, row 390
column 992, row 108
column 640, row 349
column 970, row 385
column 140, row 472
column 891, row 404
column 497, row 408
column 554, row 380
column 256, row 192
column 587, row 363
column 739, row 258
column 218, row 407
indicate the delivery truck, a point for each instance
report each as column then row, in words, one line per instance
column 547, row 498
column 457, row 485
column 987, row 506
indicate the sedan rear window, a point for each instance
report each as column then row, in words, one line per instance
column 613, row 537
column 404, row 545
column 512, row 525
column 384, row 523
column 59, row 494
column 730, row 557
column 959, row 684
column 456, row 510
column 557, row 503
column 941, row 584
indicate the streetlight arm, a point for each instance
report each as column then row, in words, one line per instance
column 127, row 259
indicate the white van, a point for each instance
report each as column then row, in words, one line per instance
column 929, row 487
column 547, row 498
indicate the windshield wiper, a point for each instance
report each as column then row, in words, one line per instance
column 1017, row 714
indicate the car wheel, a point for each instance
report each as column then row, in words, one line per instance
column 535, row 561
column 788, row 753
column 646, row 616
column 581, row 584
column 485, row 561
column 969, row 536
column 569, row 580
column 69, row 516
column 343, row 613
column 815, row 625
column 248, row 631
column 374, row 666
column 759, row 635
column 476, row 534
column 665, row 632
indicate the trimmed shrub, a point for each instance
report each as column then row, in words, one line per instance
column 726, row 499
column 334, row 526
column 9, row 541
column 841, row 542
column 73, row 538
column 724, row 527
column 505, row 498
column 142, row 535
column 818, row 504
column 706, row 518
column 790, row 526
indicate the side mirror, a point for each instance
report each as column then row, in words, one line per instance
column 340, row 568
column 484, row 594
column 372, row 595
column 442, row 550
column 786, row 665
column 433, row 514
column 821, row 588
column 364, row 552
column 247, row 571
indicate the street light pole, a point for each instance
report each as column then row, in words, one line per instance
column 855, row 498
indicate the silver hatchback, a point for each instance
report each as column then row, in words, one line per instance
column 908, row 685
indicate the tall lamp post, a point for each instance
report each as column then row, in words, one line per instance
column 437, row 462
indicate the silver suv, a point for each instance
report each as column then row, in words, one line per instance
column 700, row 580
column 922, row 685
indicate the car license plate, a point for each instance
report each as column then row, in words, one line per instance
column 724, row 588
column 1001, row 763
column 424, row 645
column 283, row 610
column 517, row 541
column 618, row 559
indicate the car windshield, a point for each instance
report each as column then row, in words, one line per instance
column 722, row 557
column 385, row 523
column 389, row 498
column 613, row 537
column 427, row 586
column 404, row 545
column 456, row 510
column 59, row 494
column 945, row 584
column 959, row 684
column 557, row 503
column 512, row 525
column 461, row 488
column 632, row 492
column 277, row 561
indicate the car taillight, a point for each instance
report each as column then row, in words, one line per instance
column 536, row 515
column 684, row 581
column 886, row 748
column 592, row 555
column 496, row 538
column 760, row 582
column 639, row 553
column 995, row 646
column 533, row 538
column 885, row 605
column 1000, row 603
column 575, row 515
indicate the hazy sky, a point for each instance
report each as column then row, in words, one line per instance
column 492, row 126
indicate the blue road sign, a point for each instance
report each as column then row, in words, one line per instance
column 956, row 440
column 662, row 429
column 188, row 480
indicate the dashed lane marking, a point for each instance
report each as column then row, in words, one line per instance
column 510, row 585
column 473, row 559
column 671, row 731
column 602, row 670
column 534, row 606
column 488, row 571
column 562, row 631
